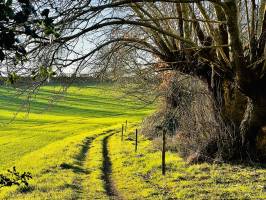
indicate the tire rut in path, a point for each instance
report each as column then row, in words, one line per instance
column 79, row 168
column 80, row 158
column 107, row 171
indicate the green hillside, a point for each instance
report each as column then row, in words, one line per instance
column 73, row 149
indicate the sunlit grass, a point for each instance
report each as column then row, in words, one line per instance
column 52, row 135
column 62, row 146
column 138, row 175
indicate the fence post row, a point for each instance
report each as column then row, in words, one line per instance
column 126, row 127
column 122, row 135
column 136, row 141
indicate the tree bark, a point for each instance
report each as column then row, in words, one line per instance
column 253, row 120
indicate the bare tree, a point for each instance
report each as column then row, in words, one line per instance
column 221, row 43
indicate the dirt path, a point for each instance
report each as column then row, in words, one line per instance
column 79, row 168
column 94, row 179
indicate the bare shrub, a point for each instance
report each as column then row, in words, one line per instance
column 171, row 144
column 194, row 123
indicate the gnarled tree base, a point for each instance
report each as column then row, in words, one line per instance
column 207, row 129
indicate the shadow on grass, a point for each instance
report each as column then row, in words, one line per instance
column 80, row 158
column 251, row 165
column 26, row 189
column 74, row 168
column 78, row 168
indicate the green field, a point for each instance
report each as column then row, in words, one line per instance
column 73, row 149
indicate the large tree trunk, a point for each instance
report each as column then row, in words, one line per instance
column 253, row 120
column 244, row 116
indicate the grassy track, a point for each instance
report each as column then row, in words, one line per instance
column 74, row 151
column 53, row 141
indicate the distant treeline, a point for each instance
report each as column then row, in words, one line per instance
column 56, row 80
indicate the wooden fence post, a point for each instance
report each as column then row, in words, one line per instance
column 163, row 152
column 136, row 141
column 126, row 127
column 122, row 135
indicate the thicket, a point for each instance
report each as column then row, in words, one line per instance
column 194, row 123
